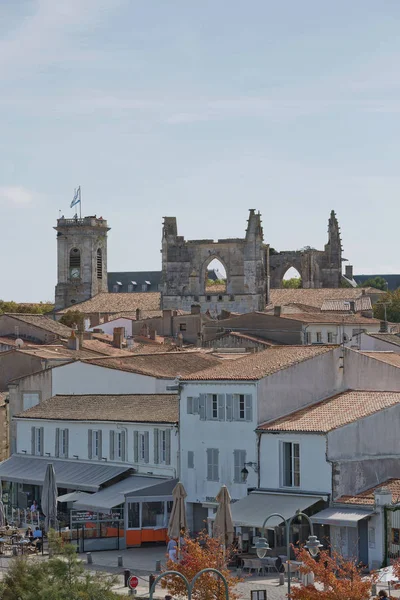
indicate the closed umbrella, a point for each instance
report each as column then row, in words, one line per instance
column 49, row 498
column 2, row 516
column 177, row 520
column 223, row 524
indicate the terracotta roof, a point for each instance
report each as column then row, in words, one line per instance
column 12, row 341
column 334, row 412
column 117, row 303
column 145, row 314
column 367, row 497
column 165, row 365
column 390, row 338
column 360, row 304
column 103, row 348
column 57, row 352
column 316, row 297
column 251, row 338
column 333, row 317
column 256, row 366
column 42, row 322
column 390, row 358
column 137, row 408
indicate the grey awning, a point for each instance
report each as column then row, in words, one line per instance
column 73, row 496
column 114, row 495
column 252, row 510
column 341, row 517
column 72, row 474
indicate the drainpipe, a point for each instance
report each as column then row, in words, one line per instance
column 258, row 457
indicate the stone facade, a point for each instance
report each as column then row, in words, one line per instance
column 81, row 260
column 317, row 268
column 185, row 267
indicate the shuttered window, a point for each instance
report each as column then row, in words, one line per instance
column 37, row 441
column 141, row 446
column 212, row 464
column 95, row 449
column 290, row 464
column 190, row 459
column 239, row 458
column 242, row 407
column 62, row 442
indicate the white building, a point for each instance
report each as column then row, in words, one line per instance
column 109, row 326
column 380, row 342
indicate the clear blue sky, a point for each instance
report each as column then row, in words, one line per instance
column 200, row 110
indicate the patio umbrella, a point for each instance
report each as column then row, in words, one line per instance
column 49, row 498
column 177, row 520
column 223, row 524
column 2, row 516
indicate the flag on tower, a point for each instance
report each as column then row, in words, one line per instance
column 77, row 197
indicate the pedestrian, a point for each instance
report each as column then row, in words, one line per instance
column 383, row 594
column 172, row 549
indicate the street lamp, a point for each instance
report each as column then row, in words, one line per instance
column 313, row 544
column 245, row 473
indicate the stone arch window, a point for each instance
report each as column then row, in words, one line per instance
column 215, row 277
column 99, row 264
column 75, row 263
column 291, row 278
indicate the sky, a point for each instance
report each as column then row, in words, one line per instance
column 199, row 110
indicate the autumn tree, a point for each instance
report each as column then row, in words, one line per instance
column 203, row 552
column 336, row 578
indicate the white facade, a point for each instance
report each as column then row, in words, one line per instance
column 334, row 333
column 110, row 442
column 371, row 344
column 108, row 327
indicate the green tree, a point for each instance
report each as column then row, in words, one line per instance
column 294, row 283
column 60, row 578
column 376, row 282
column 40, row 308
column 73, row 317
column 392, row 308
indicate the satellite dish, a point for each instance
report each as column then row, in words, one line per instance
column 19, row 343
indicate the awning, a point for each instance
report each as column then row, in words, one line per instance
column 114, row 495
column 252, row 510
column 72, row 474
column 342, row 517
column 73, row 496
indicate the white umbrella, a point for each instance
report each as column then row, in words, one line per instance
column 2, row 516
column 49, row 498
column 223, row 524
column 387, row 575
column 177, row 520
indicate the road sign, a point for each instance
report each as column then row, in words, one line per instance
column 133, row 582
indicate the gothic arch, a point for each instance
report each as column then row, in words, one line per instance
column 204, row 270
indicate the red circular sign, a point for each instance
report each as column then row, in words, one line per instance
column 133, row 582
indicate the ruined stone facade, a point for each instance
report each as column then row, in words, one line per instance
column 185, row 265
column 317, row 268
column 81, row 260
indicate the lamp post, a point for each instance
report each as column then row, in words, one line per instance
column 190, row 586
column 313, row 544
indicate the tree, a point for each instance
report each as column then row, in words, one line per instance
column 392, row 308
column 13, row 307
column 294, row 283
column 338, row 578
column 376, row 282
column 201, row 553
column 60, row 578
column 73, row 317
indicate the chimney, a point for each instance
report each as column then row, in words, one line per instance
column 382, row 496
column 138, row 314
column 384, row 327
column 118, row 337
column 195, row 309
column 277, row 311
column 73, row 341
column 349, row 271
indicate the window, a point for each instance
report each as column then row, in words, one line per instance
column 142, row 447
column 130, row 287
column 319, row 337
column 182, row 327
column 291, row 464
column 118, row 445
column 37, row 441
column 61, row 443
column 133, row 515
column 95, row 444
column 396, row 536
column 239, row 458
column 239, row 407
column 220, row 298
column 307, row 337
column 144, row 287
column 214, row 407
column 153, row 514
column 190, row 459
column 30, row 399
column 99, row 264
column 163, row 445
column 74, row 263
column 371, row 537
column 242, row 412
column 116, row 288
column 193, row 405
column 208, row 298
column 212, row 464
column 330, row 337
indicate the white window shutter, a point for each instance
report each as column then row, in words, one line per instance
column 209, row 464
column 66, row 443
column 57, row 448
column 100, row 443
column 42, row 441
column 168, row 447
column 156, row 447
column 112, row 445
column 216, row 464
column 221, row 407
column 90, row 443
column 123, row 445
column 33, row 440
column 196, row 405
column 249, row 407
column 136, row 446
column 146, row 446
column 235, row 402
column 209, row 413
column 202, row 407
column 229, row 407
column 189, row 405
column 190, row 459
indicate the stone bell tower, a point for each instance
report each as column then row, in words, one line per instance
column 81, row 260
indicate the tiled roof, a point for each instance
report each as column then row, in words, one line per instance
column 391, row 358
column 103, row 348
column 117, row 303
column 315, row 297
column 57, row 352
column 137, row 408
column 162, row 365
column 256, row 366
column 360, row 304
column 251, row 338
column 145, row 314
column 334, row 412
column 42, row 322
column 333, row 317
column 390, row 338
column 12, row 341
column 367, row 497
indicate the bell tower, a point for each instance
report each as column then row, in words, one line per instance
column 81, row 260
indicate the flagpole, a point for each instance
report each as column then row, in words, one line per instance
column 80, row 203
